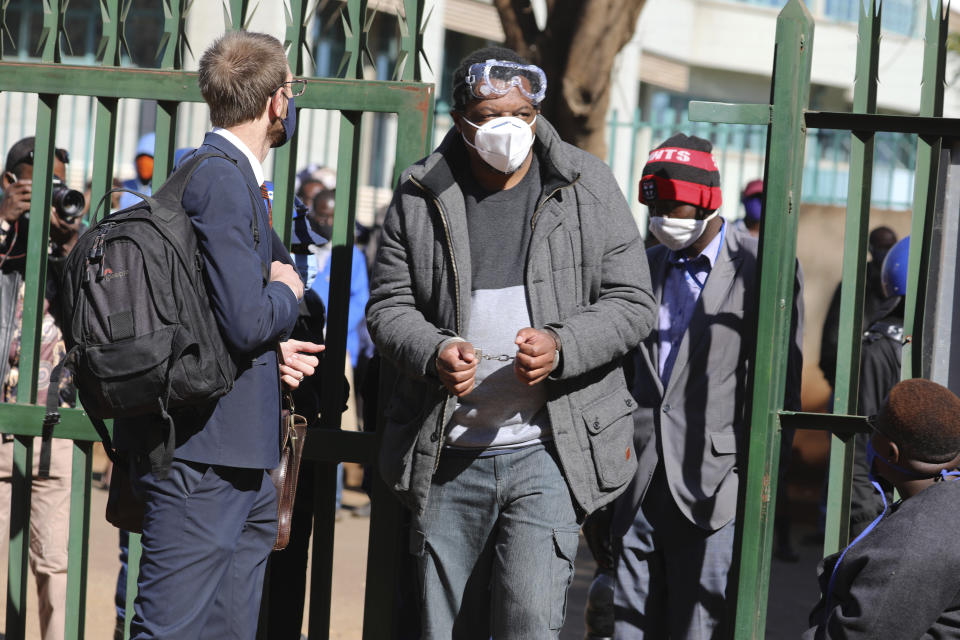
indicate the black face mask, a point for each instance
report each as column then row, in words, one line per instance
column 324, row 230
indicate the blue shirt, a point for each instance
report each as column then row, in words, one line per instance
column 685, row 279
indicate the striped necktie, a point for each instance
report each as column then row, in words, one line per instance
column 266, row 198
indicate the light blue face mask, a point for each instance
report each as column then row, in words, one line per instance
column 872, row 455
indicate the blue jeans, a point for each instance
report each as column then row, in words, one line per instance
column 671, row 574
column 496, row 547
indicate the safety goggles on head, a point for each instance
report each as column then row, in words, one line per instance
column 496, row 78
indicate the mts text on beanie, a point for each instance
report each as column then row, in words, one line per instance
column 682, row 169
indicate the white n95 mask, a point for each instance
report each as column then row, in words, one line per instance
column 679, row 233
column 503, row 143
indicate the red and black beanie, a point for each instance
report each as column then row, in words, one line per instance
column 682, row 169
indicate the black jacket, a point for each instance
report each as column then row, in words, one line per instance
column 902, row 581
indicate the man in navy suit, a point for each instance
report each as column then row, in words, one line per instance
column 210, row 519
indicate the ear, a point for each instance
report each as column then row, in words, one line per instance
column 892, row 452
column 8, row 179
column 274, row 107
column 456, row 115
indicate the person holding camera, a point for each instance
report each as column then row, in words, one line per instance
column 52, row 459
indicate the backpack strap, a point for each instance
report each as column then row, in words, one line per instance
column 150, row 201
column 179, row 346
column 52, row 417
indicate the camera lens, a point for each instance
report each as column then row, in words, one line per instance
column 68, row 202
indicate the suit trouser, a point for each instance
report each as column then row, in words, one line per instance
column 496, row 547
column 671, row 574
column 49, row 529
column 207, row 532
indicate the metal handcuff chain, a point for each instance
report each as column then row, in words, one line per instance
column 500, row 357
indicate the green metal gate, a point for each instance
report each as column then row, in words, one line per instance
column 170, row 86
column 787, row 119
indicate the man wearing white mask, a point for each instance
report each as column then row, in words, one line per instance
column 691, row 381
column 509, row 283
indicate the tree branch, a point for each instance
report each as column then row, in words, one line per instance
column 519, row 25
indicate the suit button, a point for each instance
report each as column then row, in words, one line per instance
column 628, row 402
column 434, row 437
column 666, row 408
column 596, row 424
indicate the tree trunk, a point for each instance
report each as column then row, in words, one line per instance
column 576, row 50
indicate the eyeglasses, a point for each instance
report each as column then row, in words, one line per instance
column 297, row 87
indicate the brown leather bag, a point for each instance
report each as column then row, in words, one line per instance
column 293, row 435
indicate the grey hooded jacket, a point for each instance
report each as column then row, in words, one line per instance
column 586, row 278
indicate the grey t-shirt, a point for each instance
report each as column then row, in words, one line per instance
column 500, row 412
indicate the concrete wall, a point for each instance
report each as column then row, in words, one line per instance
column 820, row 251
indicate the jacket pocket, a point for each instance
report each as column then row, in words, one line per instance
column 565, row 543
column 723, row 443
column 403, row 420
column 609, row 426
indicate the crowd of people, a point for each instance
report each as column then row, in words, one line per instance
column 547, row 374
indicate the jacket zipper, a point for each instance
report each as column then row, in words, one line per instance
column 536, row 213
column 438, row 431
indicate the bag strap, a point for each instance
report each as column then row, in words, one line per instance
column 179, row 345
column 52, row 417
column 150, row 201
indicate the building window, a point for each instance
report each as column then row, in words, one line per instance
column 899, row 16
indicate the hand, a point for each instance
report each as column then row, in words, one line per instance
column 65, row 234
column 536, row 350
column 457, row 368
column 16, row 199
column 285, row 273
column 297, row 363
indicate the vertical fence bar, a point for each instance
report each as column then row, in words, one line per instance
column 172, row 45
column 238, row 13
column 411, row 42
column 77, row 548
column 285, row 157
column 925, row 187
column 101, row 182
column 33, row 302
column 332, row 366
column 854, row 276
column 784, row 174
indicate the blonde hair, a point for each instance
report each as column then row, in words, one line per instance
column 239, row 73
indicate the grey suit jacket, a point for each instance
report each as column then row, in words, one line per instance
column 697, row 425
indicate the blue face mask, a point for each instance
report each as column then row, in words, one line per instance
column 289, row 123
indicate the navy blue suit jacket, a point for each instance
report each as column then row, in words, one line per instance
column 223, row 201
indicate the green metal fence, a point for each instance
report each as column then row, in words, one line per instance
column 107, row 83
column 789, row 122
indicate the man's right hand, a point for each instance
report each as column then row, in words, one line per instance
column 457, row 368
column 285, row 273
column 16, row 200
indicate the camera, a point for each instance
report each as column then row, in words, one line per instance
column 67, row 202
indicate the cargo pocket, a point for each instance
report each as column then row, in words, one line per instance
column 610, row 431
column 565, row 543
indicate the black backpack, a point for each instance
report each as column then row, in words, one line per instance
column 141, row 336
